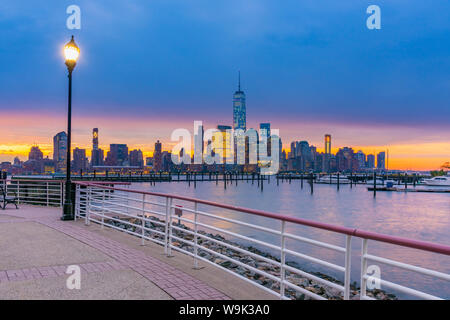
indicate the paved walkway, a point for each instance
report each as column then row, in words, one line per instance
column 36, row 248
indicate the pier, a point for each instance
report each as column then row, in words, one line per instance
column 165, row 246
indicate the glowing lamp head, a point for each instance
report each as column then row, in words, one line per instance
column 71, row 53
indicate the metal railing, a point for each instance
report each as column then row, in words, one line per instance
column 153, row 216
column 36, row 191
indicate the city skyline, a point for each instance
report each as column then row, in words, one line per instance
column 301, row 157
column 147, row 149
column 304, row 74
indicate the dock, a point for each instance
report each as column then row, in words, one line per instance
column 409, row 190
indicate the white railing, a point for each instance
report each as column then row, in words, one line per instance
column 158, row 218
column 36, row 191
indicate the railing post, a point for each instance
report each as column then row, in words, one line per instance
column 195, row 236
column 128, row 203
column 47, row 191
column 348, row 264
column 283, row 260
column 143, row 220
column 103, row 208
column 61, row 194
column 168, row 233
column 363, row 269
column 18, row 191
column 88, row 206
column 77, row 202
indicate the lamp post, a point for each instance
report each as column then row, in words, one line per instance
column 71, row 53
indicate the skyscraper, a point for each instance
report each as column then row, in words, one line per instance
column 117, row 155
column 136, row 158
column 381, row 160
column 345, row 160
column 222, row 143
column 239, row 110
column 198, row 142
column 370, row 161
column 361, row 157
column 292, row 154
column 79, row 160
column 97, row 154
column 35, row 154
column 264, row 128
column 327, row 144
column 95, row 139
column 60, row 151
column 157, row 157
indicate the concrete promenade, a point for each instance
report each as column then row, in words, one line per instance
column 36, row 248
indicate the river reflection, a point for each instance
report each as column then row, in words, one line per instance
column 421, row 216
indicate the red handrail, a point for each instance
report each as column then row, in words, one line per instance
column 33, row 180
column 405, row 242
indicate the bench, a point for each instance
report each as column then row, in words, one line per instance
column 7, row 199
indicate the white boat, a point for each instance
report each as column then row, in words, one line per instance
column 379, row 182
column 333, row 180
column 438, row 181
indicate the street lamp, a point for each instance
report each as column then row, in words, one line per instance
column 71, row 53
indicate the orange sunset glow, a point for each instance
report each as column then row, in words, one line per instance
column 402, row 156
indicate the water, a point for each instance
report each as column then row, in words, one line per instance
column 421, row 216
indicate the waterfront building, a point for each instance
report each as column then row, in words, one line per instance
column 264, row 131
column 283, row 159
column 136, row 158
column 381, row 160
column 80, row 160
column 222, row 144
column 166, row 161
column 60, row 151
column 35, row 154
column 198, row 143
column 292, row 153
column 5, row 166
column 326, row 157
column 361, row 158
column 370, row 163
column 35, row 163
column 345, row 160
column 117, row 155
column 157, row 157
column 239, row 108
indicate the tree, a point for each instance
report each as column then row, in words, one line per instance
column 446, row 165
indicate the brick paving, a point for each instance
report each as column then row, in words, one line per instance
column 173, row 281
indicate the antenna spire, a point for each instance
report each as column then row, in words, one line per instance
column 239, row 80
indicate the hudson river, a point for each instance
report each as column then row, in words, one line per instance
column 421, row 216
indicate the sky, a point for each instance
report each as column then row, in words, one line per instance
column 309, row 68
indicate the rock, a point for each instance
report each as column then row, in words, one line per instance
column 313, row 286
column 300, row 296
column 333, row 293
column 226, row 264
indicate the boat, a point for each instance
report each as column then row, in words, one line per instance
column 378, row 182
column 333, row 180
column 439, row 181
